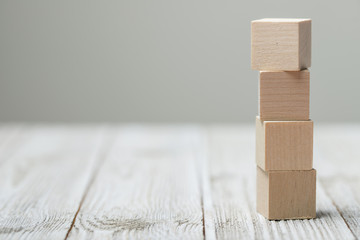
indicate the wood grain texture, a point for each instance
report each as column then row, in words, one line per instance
column 43, row 181
column 281, row 44
column 163, row 182
column 338, row 151
column 284, row 145
column 286, row 194
column 232, row 174
column 284, row 95
column 148, row 188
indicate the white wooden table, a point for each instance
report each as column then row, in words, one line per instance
column 162, row 182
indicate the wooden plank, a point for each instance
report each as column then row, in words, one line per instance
column 281, row 44
column 43, row 181
column 232, row 175
column 339, row 154
column 284, row 95
column 148, row 188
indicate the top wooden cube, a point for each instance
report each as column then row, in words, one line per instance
column 281, row 44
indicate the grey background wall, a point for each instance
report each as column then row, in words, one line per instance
column 162, row 61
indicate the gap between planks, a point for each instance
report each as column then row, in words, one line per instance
column 205, row 186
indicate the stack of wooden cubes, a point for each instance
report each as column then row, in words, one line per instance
column 286, row 180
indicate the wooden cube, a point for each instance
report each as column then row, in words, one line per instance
column 281, row 44
column 286, row 194
column 284, row 145
column 284, row 95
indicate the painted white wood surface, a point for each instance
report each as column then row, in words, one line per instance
column 339, row 158
column 162, row 182
column 148, row 188
column 43, row 180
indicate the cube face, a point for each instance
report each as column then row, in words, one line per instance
column 281, row 44
column 262, row 192
column 286, row 194
column 284, row 145
column 284, row 95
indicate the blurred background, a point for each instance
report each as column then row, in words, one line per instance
column 163, row 61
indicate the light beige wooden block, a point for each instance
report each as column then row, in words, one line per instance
column 286, row 194
column 284, row 95
column 284, row 145
column 281, row 44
